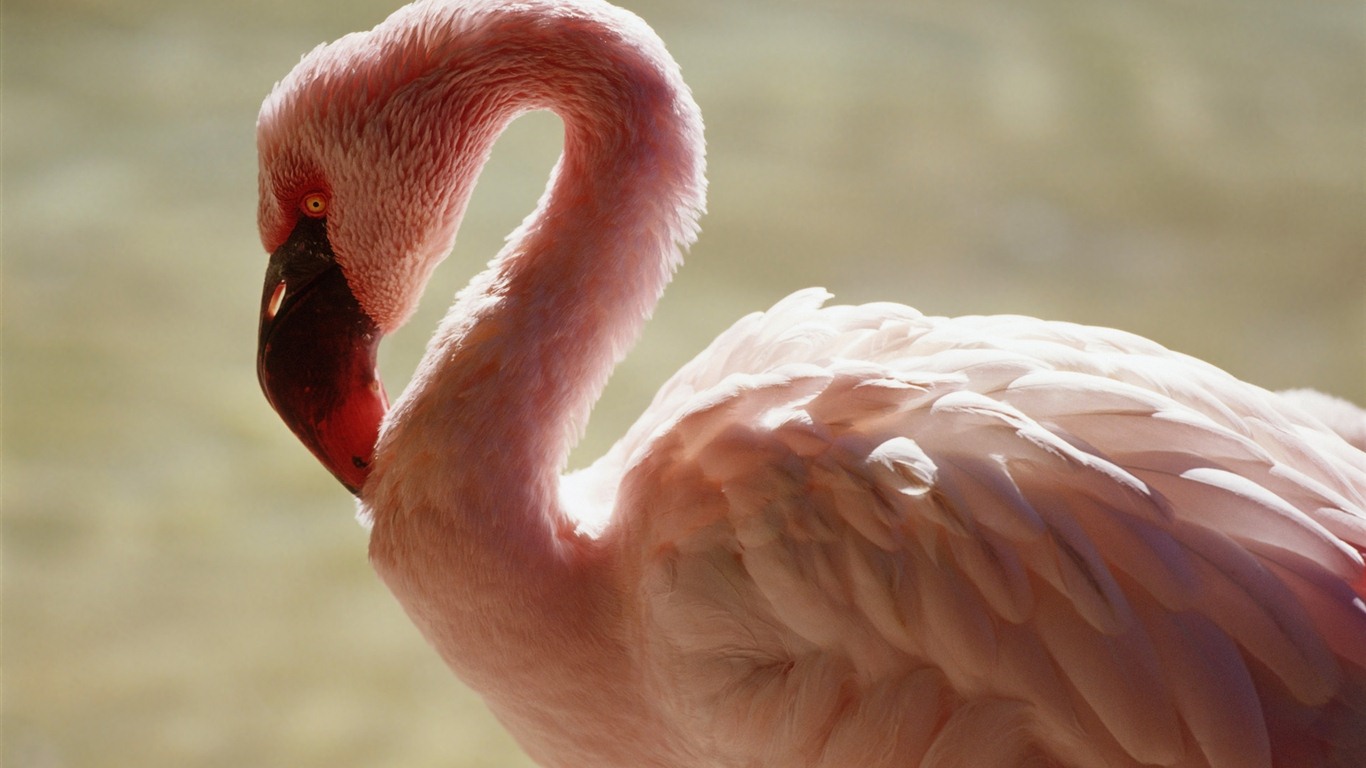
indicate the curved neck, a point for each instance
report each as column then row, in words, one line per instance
column 523, row 354
column 468, row 528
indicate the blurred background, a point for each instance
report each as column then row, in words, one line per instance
column 184, row 585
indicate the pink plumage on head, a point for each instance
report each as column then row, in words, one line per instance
column 351, row 120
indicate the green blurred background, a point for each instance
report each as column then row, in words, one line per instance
column 184, row 586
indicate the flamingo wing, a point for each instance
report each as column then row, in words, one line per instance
column 864, row 536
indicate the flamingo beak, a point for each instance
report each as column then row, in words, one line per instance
column 316, row 355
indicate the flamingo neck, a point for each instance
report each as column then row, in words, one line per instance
column 469, row 532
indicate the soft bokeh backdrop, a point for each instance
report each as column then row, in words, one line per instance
column 184, row 586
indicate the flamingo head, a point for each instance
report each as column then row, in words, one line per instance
column 362, row 184
column 368, row 153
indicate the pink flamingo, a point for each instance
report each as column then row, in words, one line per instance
column 842, row 535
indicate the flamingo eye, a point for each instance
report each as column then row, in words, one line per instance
column 314, row 204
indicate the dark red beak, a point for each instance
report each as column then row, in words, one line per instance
column 316, row 355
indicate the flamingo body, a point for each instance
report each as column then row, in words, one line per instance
column 840, row 536
column 1054, row 514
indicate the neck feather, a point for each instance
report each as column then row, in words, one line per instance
column 523, row 354
column 469, row 532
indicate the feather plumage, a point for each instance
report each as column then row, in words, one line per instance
column 950, row 492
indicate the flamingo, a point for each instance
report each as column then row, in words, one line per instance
column 841, row 535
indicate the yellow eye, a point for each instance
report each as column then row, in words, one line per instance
column 314, row 204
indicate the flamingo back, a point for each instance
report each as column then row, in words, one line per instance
column 868, row 537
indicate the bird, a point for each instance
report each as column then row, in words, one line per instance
column 842, row 535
